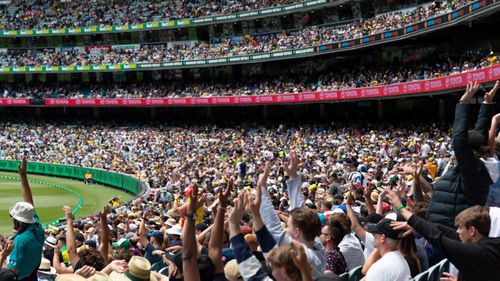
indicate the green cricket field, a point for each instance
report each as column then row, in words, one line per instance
column 50, row 194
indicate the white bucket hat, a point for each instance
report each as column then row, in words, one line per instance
column 23, row 212
column 171, row 222
column 175, row 230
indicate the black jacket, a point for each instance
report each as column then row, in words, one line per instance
column 475, row 261
column 467, row 183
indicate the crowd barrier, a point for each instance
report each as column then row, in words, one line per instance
column 415, row 88
column 120, row 181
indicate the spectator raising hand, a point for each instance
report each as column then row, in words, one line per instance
column 240, row 204
column 29, row 238
column 216, row 237
column 470, row 90
column 489, row 96
column 300, row 260
column 292, row 165
column 189, row 249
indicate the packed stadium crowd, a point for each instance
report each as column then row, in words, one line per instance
column 49, row 14
column 303, row 77
column 298, row 202
column 307, row 37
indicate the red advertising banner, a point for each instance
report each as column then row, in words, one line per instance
column 411, row 88
column 14, row 102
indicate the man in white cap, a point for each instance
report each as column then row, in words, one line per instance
column 29, row 237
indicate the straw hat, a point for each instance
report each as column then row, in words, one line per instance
column 138, row 268
column 46, row 268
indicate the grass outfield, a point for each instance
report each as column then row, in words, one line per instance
column 49, row 200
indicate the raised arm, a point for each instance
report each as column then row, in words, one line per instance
column 60, row 268
column 487, row 109
column 189, row 244
column 249, row 265
column 492, row 133
column 143, row 240
column 70, row 238
column 254, row 205
column 380, row 202
column 27, row 196
column 355, row 226
column 215, row 242
column 269, row 216
column 294, row 182
column 460, row 141
column 105, row 233
column 369, row 203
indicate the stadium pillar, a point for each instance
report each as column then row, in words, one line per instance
column 96, row 113
column 265, row 112
column 209, row 113
column 322, row 111
column 152, row 113
column 441, row 109
column 38, row 111
column 380, row 110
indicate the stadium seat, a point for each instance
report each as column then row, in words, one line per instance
column 444, row 266
column 434, row 272
column 344, row 276
column 355, row 274
column 158, row 265
column 164, row 271
column 422, row 276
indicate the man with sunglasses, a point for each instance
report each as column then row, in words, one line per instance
column 29, row 234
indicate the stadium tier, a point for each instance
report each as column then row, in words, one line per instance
column 32, row 17
column 309, row 41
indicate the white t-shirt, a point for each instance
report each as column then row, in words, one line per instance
column 391, row 267
column 369, row 244
column 426, row 148
column 495, row 222
column 350, row 247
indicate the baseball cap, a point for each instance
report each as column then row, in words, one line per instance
column 175, row 258
column 158, row 235
column 91, row 243
column 384, row 227
column 79, row 237
column 122, row 243
column 23, row 212
column 476, row 139
column 373, row 218
column 227, row 254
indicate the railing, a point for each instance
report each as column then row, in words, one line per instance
column 159, row 25
column 410, row 89
column 429, row 25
